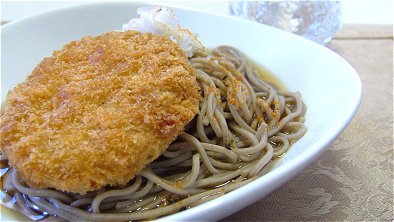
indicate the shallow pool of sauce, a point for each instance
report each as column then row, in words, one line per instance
column 11, row 215
column 266, row 75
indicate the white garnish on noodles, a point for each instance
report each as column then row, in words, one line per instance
column 162, row 21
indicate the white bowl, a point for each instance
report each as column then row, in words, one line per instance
column 329, row 86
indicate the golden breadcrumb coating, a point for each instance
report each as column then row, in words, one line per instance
column 97, row 111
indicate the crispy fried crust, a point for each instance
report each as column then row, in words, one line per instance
column 98, row 111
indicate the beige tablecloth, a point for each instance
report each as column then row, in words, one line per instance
column 353, row 179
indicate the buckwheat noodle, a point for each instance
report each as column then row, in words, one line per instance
column 243, row 124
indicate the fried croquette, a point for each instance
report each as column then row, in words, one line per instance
column 97, row 111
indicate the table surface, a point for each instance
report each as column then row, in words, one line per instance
column 353, row 179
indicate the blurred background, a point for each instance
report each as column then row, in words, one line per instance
column 353, row 11
column 318, row 21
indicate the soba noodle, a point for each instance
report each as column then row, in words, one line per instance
column 243, row 124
